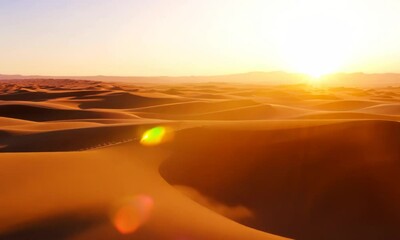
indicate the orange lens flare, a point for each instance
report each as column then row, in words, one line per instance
column 131, row 215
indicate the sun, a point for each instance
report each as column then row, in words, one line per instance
column 314, row 44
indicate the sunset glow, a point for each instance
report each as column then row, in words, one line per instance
column 198, row 37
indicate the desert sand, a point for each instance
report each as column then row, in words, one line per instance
column 234, row 161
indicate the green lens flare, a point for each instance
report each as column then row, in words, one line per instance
column 153, row 136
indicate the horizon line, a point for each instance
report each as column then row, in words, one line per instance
column 193, row 76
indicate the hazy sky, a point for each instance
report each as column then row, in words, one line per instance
column 198, row 37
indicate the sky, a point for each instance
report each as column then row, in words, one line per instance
column 198, row 37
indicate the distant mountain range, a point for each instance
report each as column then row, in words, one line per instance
column 273, row 78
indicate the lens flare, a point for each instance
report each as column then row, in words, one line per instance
column 154, row 136
column 131, row 215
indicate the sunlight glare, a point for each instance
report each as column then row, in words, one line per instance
column 315, row 43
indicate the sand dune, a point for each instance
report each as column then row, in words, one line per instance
column 12, row 121
column 334, row 192
column 259, row 111
column 36, row 113
column 74, row 203
column 53, row 125
column 194, row 107
column 345, row 105
column 389, row 109
column 242, row 161
column 124, row 100
column 350, row 115
column 45, row 95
